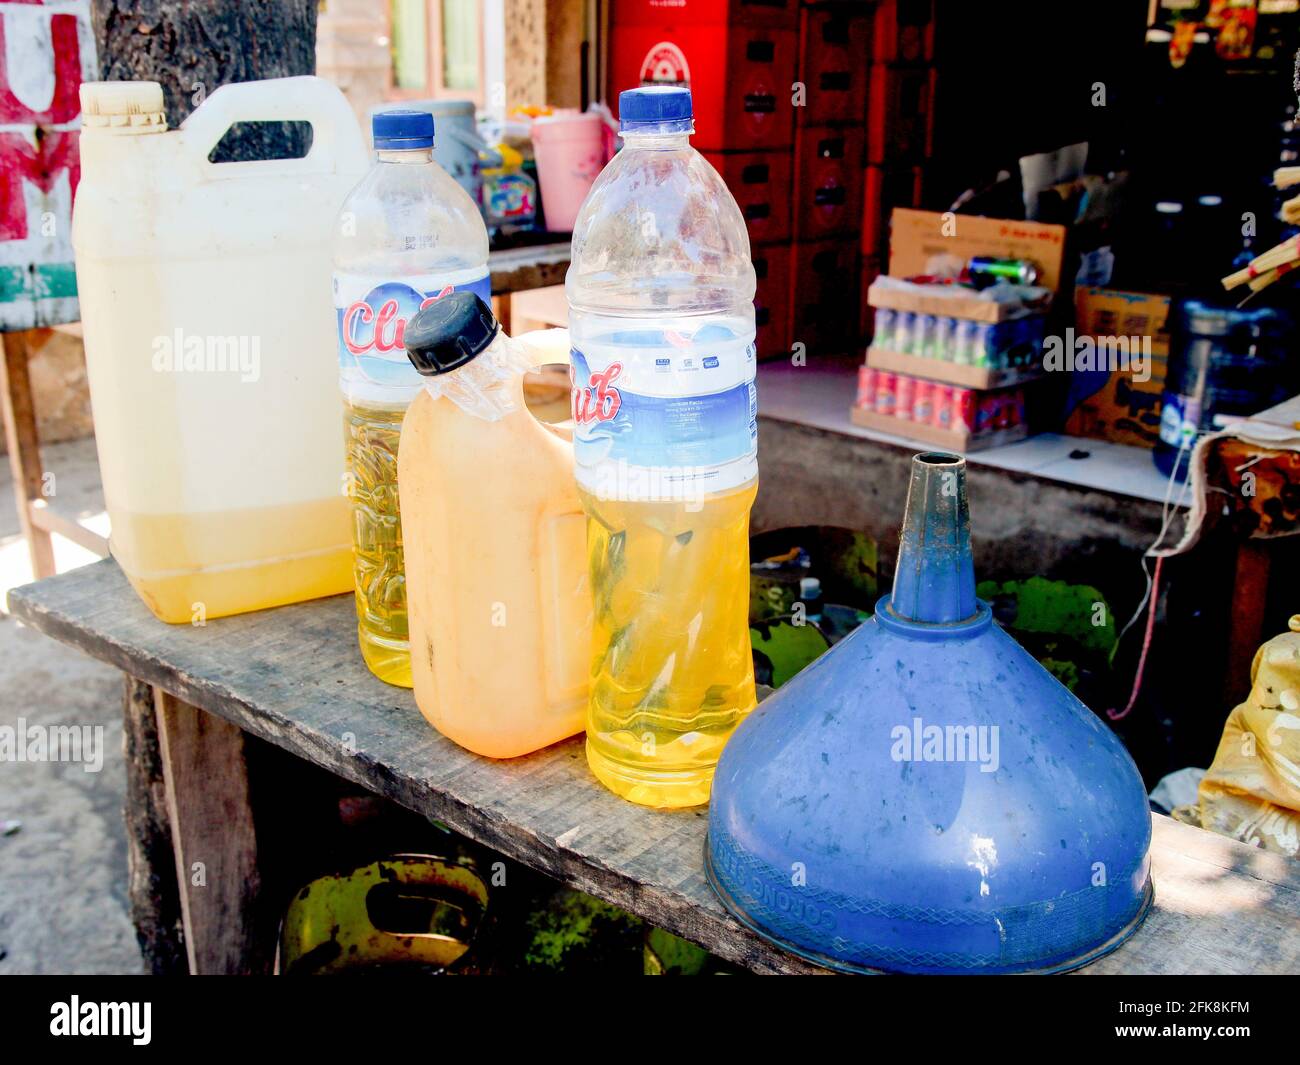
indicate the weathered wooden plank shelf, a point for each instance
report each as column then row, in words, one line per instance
column 293, row 677
column 528, row 267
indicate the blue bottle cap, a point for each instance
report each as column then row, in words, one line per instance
column 655, row 105
column 396, row 131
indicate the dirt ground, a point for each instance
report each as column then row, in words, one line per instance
column 63, row 868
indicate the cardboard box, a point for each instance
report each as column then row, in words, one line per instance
column 833, row 42
column 1113, row 404
column 762, row 184
column 955, row 302
column 975, row 419
column 980, row 378
column 960, row 441
column 919, row 237
column 903, row 31
column 782, row 14
column 884, row 190
column 824, row 295
column 1107, row 312
column 772, row 299
column 739, row 77
column 900, row 113
column 828, row 181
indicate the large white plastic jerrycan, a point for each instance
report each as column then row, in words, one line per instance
column 209, row 330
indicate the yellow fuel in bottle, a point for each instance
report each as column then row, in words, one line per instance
column 661, row 319
column 379, row 577
column 407, row 236
column 672, row 670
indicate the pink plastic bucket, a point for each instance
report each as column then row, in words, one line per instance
column 570, row 151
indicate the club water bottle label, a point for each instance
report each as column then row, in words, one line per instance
column 372, row 315
column 662, row 416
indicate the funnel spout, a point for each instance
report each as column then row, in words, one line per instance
column 935, row 579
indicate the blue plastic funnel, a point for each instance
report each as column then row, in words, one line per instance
column 927, row 798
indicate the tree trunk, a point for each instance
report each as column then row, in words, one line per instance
column 193, row 47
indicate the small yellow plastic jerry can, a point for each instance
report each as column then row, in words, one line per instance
column 495, row 538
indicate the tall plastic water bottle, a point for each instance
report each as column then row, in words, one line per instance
column 407, row 235
column 661, row 318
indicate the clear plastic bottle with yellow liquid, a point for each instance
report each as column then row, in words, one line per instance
column 499, row 604
column 661, row 319
column 406, row 236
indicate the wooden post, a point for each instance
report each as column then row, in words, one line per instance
column 504, row 312
column 1246, row 632
column 213, row 840
column 543, row 42
column 565, row 35
column 152, row 887
column 24, row 450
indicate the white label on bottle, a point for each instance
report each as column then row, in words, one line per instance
column 663, row 416
column 1180, row 418
column 372, row 315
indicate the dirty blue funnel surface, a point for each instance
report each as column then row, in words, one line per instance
column 925, row 797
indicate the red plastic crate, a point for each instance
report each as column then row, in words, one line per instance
column 870, row 267
column 833, row 44
column 900, row 114
column 779, row 13
column 903, row 31
column 884, row 189
column 761, row 182
column 828, row 181
column 772, row 299
column 739, row 77
column 824, row 295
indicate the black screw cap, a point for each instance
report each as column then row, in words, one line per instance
column 449, row 333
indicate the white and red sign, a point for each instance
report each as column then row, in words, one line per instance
column 47, row 50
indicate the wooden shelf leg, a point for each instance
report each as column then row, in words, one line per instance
column 24, row 449
column 152, row 886
column 503, row 313
column 213, row 838
column 1249, row 598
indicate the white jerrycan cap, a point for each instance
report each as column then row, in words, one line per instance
column 123, row 106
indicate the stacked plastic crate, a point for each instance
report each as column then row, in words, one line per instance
column 738, row 58
column 830, row 141
column 818, row 116
column 899, row 126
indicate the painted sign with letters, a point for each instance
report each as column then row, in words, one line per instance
column 46, row 50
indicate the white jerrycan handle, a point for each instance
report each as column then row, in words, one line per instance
column 336, row 142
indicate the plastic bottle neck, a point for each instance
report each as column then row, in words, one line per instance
column 656, row 139
column 407, row 156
